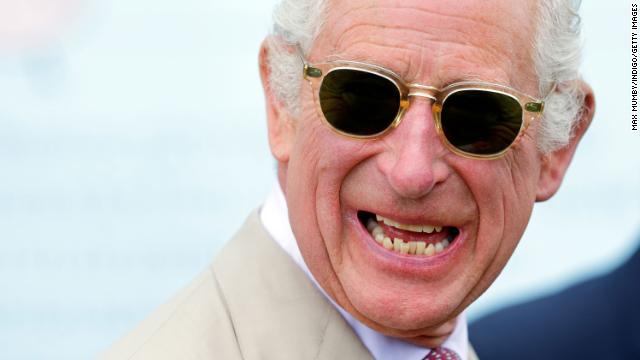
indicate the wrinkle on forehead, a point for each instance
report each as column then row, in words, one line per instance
column 445, row 71
column 426, row 41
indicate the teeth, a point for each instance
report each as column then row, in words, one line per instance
column 371, row 224
column 404, row 248
column 415, row 228
column 410, row 247
column 397, row 244
column 430, row 250
column 404, row 227
column 420, row 247
column 377, row 230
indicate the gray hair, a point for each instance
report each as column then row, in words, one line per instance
column 557, row 56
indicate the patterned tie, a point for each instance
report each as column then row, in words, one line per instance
column 441, row 353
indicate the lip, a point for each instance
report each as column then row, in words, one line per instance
column 402, row 264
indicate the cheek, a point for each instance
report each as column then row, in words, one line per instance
column 319, row 163
column 504, row 191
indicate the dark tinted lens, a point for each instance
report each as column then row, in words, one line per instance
column 481, row 122
column 357, row 102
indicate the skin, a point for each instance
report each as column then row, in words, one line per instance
column 409, row 175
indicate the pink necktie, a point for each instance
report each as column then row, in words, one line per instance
column 441, row 353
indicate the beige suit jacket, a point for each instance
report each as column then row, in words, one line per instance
column 254, row 302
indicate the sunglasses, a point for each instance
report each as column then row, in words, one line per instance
column 473, row 119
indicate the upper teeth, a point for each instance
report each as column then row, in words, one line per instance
column 415, row 228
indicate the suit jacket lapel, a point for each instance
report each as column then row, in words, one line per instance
column 276, row 311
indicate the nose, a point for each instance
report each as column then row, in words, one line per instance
column 414, row 161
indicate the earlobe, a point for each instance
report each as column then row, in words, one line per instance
column 279, row 122
column 555, row 164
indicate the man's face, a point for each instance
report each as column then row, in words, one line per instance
column 333, row 183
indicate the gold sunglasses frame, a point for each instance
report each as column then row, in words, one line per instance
column 532, row 107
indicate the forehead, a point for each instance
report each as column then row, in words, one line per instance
column 432, row 41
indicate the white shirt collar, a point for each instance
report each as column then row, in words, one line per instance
column 275, row 218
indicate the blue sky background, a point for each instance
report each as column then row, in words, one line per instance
column 132, row 145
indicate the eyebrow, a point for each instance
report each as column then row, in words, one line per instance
column 465, row 77
column 442, row 81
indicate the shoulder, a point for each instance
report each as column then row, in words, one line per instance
column 195, row 323
column 252, row 303
column 182, row 327
column 600, row 312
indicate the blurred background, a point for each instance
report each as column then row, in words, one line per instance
column 133, row 144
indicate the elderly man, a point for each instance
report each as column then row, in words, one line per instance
column 412, row 140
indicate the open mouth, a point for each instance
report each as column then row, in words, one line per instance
column 409, row 239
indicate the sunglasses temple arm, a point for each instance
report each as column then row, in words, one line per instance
column 538, row 106
column 554, row 86
column 300, row 54
column 307, row 70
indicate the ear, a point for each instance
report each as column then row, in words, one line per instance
column 555, row 164
column 279, row 122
